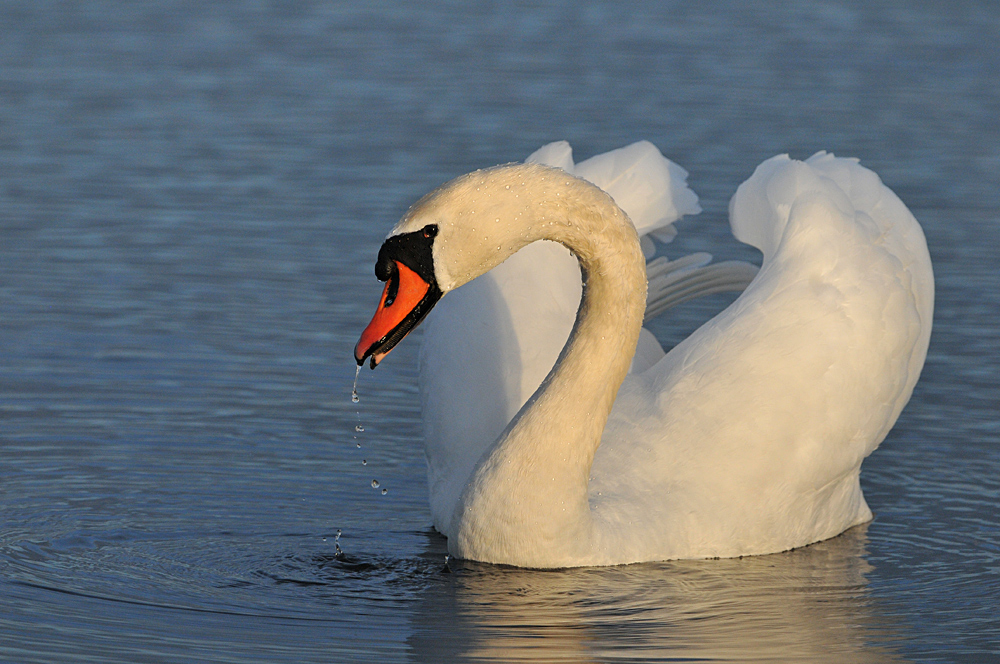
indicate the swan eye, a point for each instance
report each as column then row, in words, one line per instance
column 430, row 231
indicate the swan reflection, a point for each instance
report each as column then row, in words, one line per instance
column 810, row 604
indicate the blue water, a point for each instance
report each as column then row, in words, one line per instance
column 192, row 196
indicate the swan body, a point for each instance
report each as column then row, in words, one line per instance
column 558, row 433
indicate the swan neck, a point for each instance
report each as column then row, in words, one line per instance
column 533, row 482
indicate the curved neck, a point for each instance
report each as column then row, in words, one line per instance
column 528, row 493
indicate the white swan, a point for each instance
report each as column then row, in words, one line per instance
column 746, row 438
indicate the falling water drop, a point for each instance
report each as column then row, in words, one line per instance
column 374, row 484
column 354, row 392
column 354, row 397
column 385, row 491
column 364, row 462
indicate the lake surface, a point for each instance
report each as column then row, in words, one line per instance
column 192, row 196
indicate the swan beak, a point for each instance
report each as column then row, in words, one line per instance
column 405, row 301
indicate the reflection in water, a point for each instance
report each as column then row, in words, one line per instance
column 811, row 604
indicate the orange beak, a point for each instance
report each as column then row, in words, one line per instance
column 406, row 299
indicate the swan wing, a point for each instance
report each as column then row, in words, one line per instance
column 749, row 435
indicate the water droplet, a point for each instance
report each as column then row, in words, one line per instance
column 359, row 446
column 354, row 392
column 364, row 462
column 385, row 491
column 359, row 428
column 338, row 535
column 374, row 484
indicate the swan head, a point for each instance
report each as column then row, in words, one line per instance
column 461, row 230
column 405, row 263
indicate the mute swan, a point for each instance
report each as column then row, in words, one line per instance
column 746, row 438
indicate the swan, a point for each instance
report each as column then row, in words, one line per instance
column 559, row 433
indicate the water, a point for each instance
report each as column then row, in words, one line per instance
column 192, row 197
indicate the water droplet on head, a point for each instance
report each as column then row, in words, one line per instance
column 374, row 484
